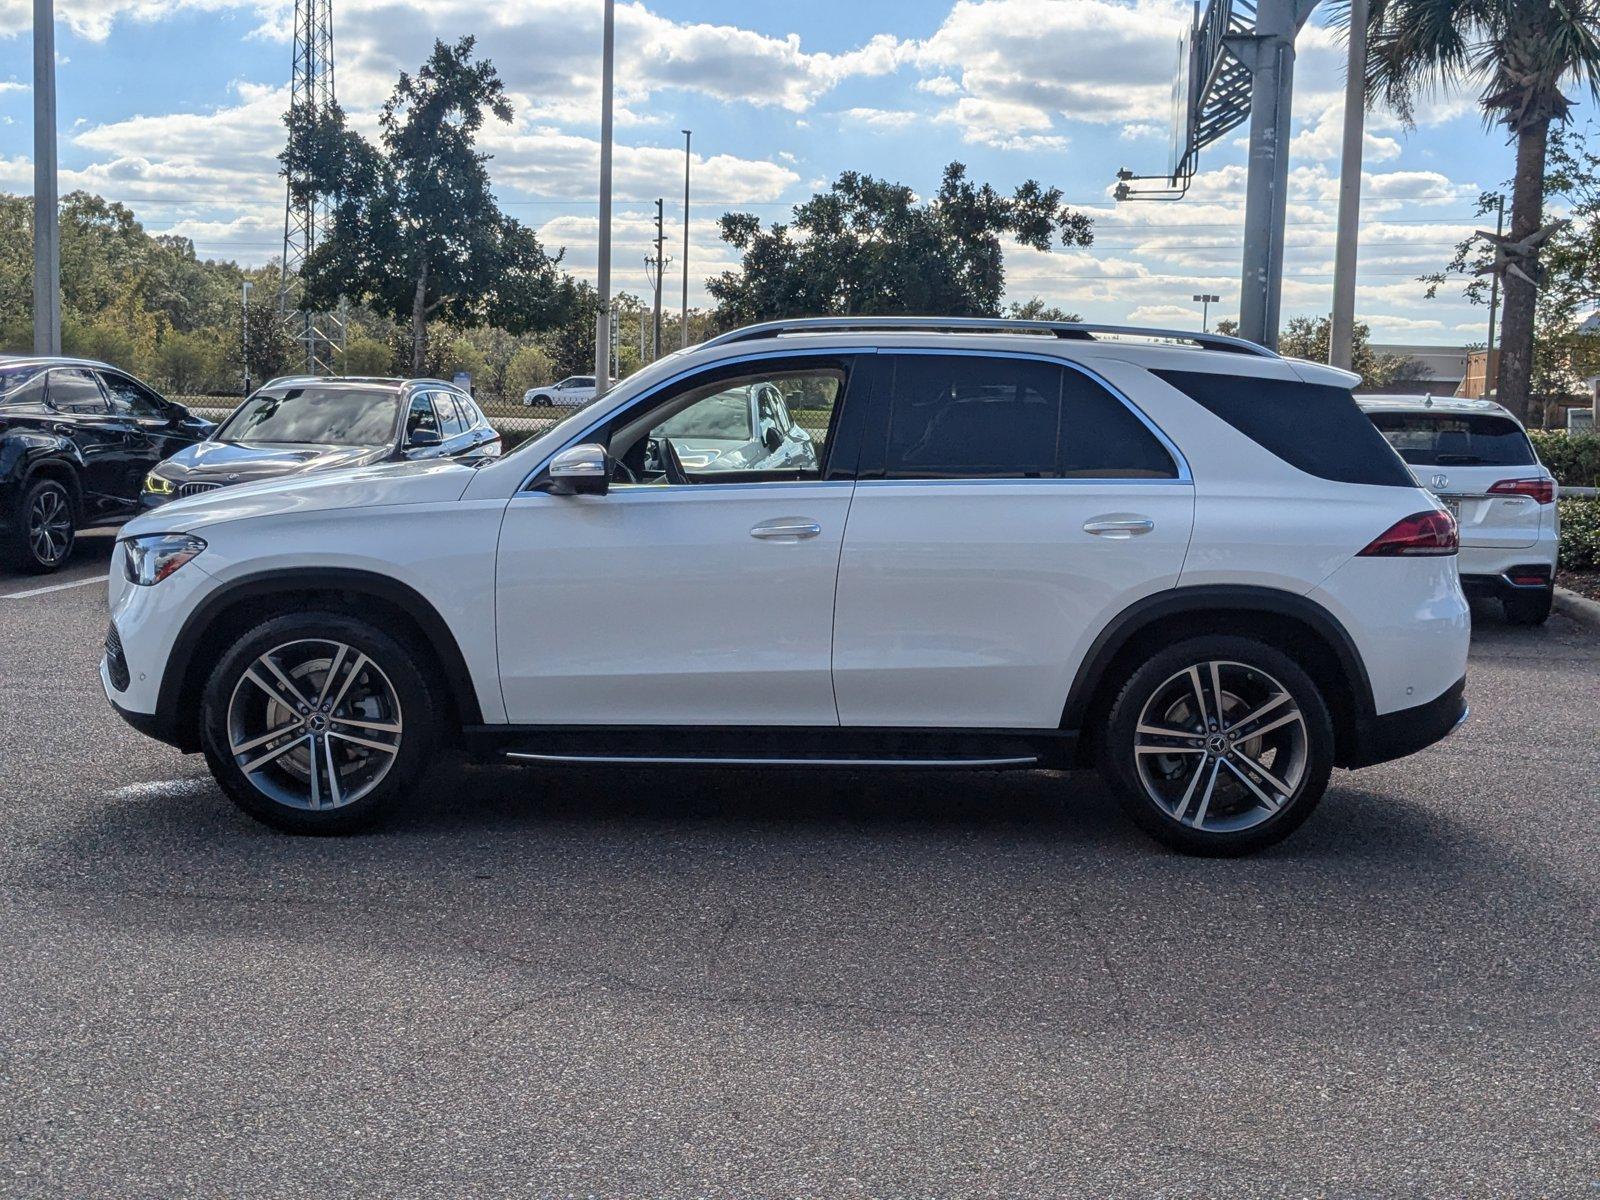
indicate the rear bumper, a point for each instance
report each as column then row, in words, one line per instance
column 1519, row 579
column 1397, row 734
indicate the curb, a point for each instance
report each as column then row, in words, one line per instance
column 1579, row 608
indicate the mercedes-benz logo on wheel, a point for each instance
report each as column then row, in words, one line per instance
column 1440, row 481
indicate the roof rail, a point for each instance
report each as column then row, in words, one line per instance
column 1078, row 330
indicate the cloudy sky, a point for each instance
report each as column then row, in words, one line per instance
column 174, row 107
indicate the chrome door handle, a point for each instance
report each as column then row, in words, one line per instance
column 786, row 529
column 1119, row 527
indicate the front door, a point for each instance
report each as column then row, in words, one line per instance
column 1007, row 507
column 697, row 591
column 116, row 451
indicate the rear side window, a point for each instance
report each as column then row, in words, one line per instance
column 1456, row 439
column 449, row 423
column 1311, row 426
column 971, row 417
column 75, row 391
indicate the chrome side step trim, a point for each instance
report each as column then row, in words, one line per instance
column 1025, row 760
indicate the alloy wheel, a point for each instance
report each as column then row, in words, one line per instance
column 1221, row 746
column 50, row 526
column 314, row 724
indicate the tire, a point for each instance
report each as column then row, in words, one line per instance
column 45, row 529
column 1243, row 794
column 1530, row 609
column 353, row 785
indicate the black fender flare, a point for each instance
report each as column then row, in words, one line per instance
column 176, row 697
column 1127, row 624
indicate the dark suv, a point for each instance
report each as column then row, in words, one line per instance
column 76, row 441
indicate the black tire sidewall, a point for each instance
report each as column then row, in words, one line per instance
column 18, row 551
column 1117, row 757
column 419, row 706
column 1529, row 610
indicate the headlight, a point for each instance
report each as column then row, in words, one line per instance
column 149, row 559
column 157, row 485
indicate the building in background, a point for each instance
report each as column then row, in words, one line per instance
column 1441, row 369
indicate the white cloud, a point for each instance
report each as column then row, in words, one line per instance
column 881, row 118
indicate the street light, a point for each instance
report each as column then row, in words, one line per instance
column 688, row 137
column 244, row 310
column 46, row 219
column 1206, row 300
column 602, row 320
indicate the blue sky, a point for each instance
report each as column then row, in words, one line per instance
column 173, row 107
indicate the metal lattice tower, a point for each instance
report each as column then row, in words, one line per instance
column 320, row 335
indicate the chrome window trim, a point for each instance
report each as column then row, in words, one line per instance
column 1184, row 474
column 686, row 373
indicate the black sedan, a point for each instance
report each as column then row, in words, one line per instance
column 296, row 426
column 76, row 440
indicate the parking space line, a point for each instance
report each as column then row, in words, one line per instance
column 54, row 587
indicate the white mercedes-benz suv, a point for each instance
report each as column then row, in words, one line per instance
column 1175, row 556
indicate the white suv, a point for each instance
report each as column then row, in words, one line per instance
column 1175, row 556
column 1476, row 457
column 572, row 392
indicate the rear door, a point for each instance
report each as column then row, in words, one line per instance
column 1008, row 506
column 1460, row 457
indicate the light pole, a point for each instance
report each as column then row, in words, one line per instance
column 244, row 310
column 688, row 137
column 602, row 320
column 1342, row 324
column 46, row 220
column 1494, row 300
column 1206, row 300
column 661, row 267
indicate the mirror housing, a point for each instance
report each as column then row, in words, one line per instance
column 580, row 471
column 772, row 439
column 423, row 439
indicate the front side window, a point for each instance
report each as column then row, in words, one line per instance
column 131, row 399
column 718, row 433
column 421, row 418
column 1456, row 439
column 315, row 415
column 75, row 391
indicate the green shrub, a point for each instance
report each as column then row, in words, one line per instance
column 1574, row 459
column 1580, row 533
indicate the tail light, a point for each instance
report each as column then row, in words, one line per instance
column 1424, row 533
column 1542, row 490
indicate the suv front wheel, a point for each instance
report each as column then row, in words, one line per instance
column 42, row 536
column 318, row 722
column 1219, row 745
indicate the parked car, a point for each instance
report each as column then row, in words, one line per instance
column 744, row 428
column 76, row 438
column 1476, row 457
column 1021, row 544
column 572, row 392
column 302, row 425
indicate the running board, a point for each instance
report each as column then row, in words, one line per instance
column 1018, row 761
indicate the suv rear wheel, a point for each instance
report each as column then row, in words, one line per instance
column 43, row 534
column 318, row 722
column 1219, row 745
column 1532, row 609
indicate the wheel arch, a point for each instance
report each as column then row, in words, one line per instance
column 61, row 463
column 1299, row 627
column 243, row 602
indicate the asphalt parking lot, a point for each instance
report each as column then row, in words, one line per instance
column 556, row 983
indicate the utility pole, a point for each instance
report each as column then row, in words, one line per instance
column 602, row 320
column 46, row 218
column 688, row 138
column 244, row 311
column 1342, row 324
column 1205, row 300
column 661, row 266
column 1494, row 301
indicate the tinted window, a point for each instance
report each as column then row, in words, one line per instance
column 130, row 398
column 965, row 417
column 421, row 419
column 1311, row 426
column 313, row 415
column 22, row 385
column 450, row 423
column 1455, row 439
column 1102, row 439
column 75, row 391
column 722, row 417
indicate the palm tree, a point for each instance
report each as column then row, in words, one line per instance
column 1519, row 53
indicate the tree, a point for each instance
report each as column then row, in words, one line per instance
column 1035, row 309
column 869, row 246
column 1307, row 337
column 416, row 232
column 1519, row 53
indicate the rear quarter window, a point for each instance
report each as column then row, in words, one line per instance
column 1314, row 427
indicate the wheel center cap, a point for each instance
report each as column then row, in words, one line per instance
column 1216, row 743
column 317, row 722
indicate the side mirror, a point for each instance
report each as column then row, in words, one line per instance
column 772, row 439
column 581, row 471
column 423, row 439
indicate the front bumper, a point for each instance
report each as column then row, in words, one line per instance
column 1394, row 735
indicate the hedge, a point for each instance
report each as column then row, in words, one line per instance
column 1580, row 533
column 1574, row 459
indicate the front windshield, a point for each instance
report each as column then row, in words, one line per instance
column 722, row 417
column 315, row 416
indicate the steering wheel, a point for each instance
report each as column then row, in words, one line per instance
column 671, row 464
column 626, row 470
